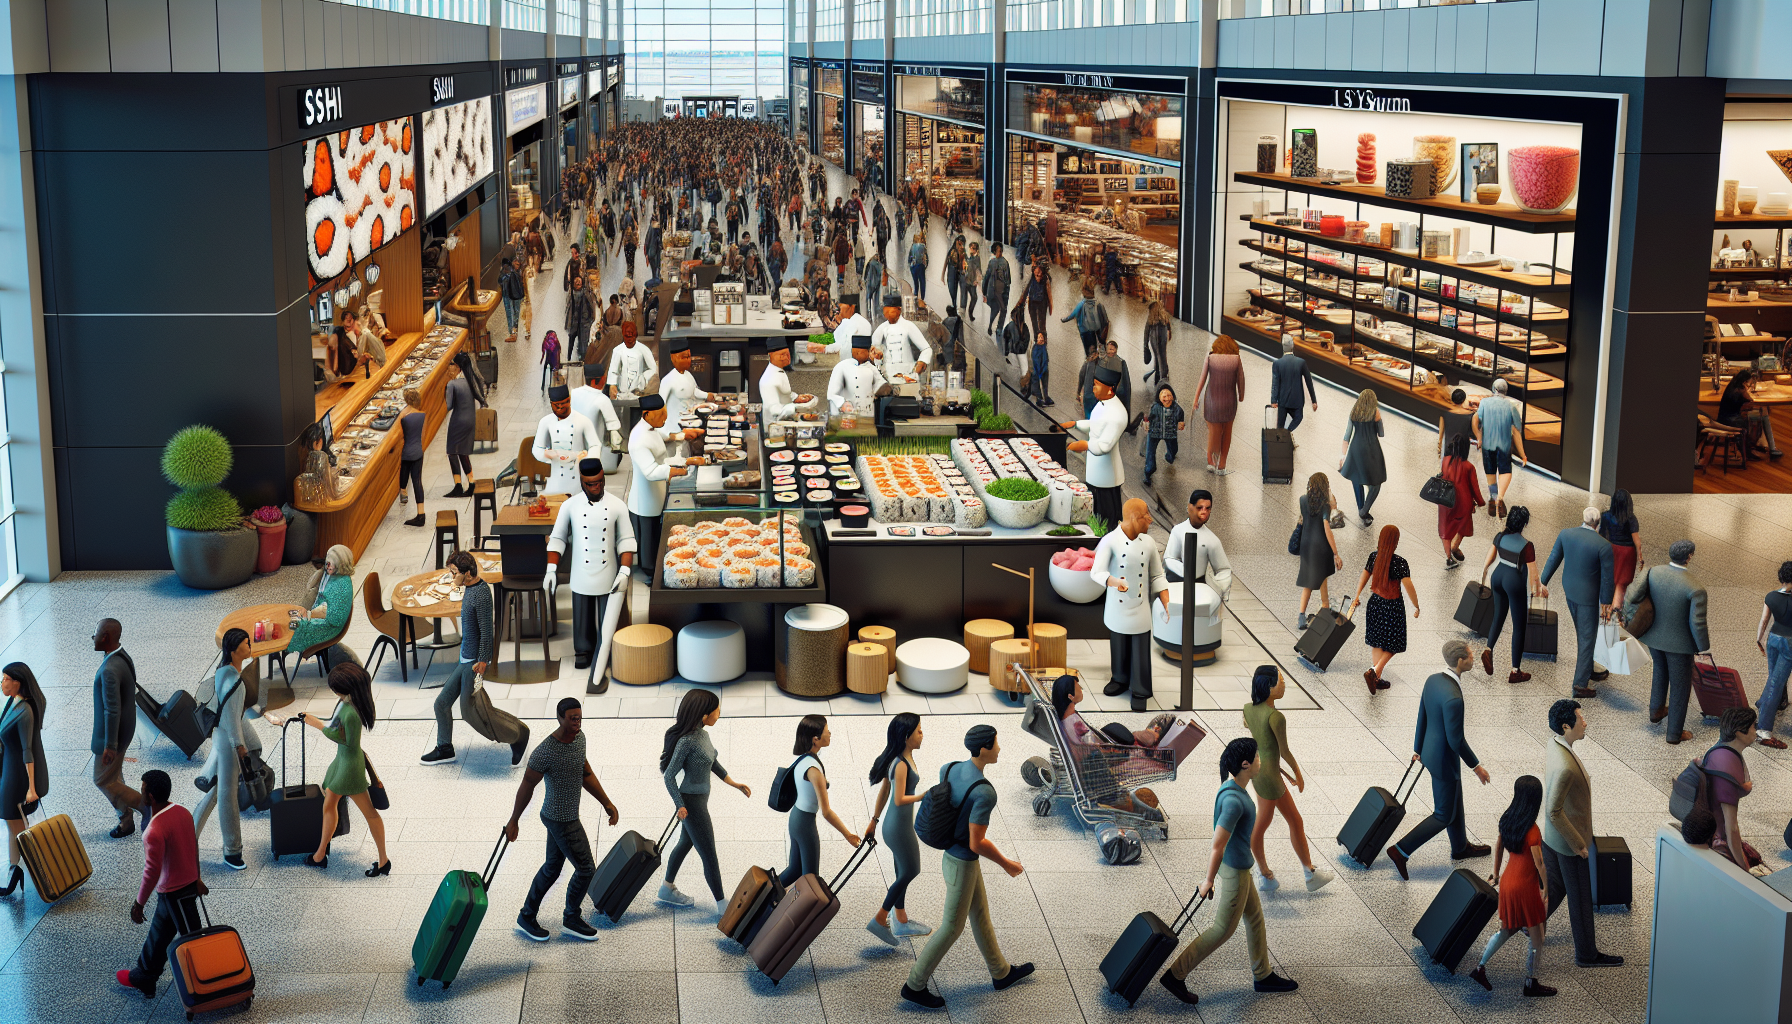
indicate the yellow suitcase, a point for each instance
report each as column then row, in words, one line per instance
column 54, row 857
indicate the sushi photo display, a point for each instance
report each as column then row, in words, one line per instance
column 360, row 193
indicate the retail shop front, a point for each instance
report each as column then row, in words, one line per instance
column 940, row 123
column 525, row 135
column 801, row 128
column 569, row 112
column 1095, row 170
column 870, row 101
column 830, row 123
column 596, row 103
column 1422, row 241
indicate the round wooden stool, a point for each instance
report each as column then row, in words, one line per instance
column 1054, row 647
column 883, row 636
column 979, row 634
column 641, row 655
column 866, row 668
column 815, row 640
column 1001, row 652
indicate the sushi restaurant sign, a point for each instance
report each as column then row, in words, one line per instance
column 321, row 105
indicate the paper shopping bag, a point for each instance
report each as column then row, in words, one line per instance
column 1612, row 649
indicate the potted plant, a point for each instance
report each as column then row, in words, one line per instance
column 270, row 524
column 208, row 543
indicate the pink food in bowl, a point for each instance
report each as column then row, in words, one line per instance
column 1543, row 177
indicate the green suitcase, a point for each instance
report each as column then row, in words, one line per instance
column 453, row 919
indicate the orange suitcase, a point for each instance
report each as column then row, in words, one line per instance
column 211, row 968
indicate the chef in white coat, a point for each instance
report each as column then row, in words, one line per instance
column 561, row 439
column 851, row 325
column 590, row 402
column 857, row 381
column 594, row 534
column 1128, row 564
column 679, row 388
column 1103, row 472
column 631, row 364
column 777, row 400
column 1194, row 549
column 905, row 348
column 651, row 465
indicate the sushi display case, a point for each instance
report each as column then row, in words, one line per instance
column 734, row 555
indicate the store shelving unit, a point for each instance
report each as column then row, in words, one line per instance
column 1408, row 324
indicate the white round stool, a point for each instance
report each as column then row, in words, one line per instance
column 1208, row 630
column 712, row 651
column 933, row 664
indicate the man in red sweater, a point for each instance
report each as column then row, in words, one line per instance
column 171, row 870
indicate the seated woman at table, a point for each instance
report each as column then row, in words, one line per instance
column 1099, row 764
column 1737, row 409
column 334, row 585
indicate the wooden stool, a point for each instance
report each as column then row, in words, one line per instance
column 448, row 534
column 866, row 668
column 1054, row 645
column 641, row 655
column 883, row 636
column 518, row 597
column 485, row 499
column 979, row 634
column 1001, row 652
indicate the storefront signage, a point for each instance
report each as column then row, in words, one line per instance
column 521, row 76
column 567, row 68
column 831, row 65
column 749, row 108
column 613, row 74
column 594, row 82
column 671, row 108
column 1091, row 81
column 524, row 107
column 937, row 71
column 868, row 87
column 321, row 105
column 441, row 89
column 1118, row 83
column 1368, row 99
column 569, row 91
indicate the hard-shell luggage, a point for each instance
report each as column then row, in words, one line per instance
column 487, row 365
column 255, row 783
column 1325, row 636
column 753, row 899
column 211, row 968
column 1142, row 948
column 453, row 920
column 1370, row 826
column 625, row 869
column 54, row 856
column 178, row 719
column 1611, row 871
column 807, row 907
column 296, row 816
column 1278, row 452
column 1718, row 689
column 1540, row 633
column 1455, row 917
column 1475, row 610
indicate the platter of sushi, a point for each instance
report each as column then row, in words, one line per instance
column 737, row 553
column 919, row 489
column 983, row 461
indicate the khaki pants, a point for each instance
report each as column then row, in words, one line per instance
column 110, row 780
column 965, row 898
column 1234, row 897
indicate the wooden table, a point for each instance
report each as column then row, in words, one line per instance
column 1769, row 393
column 410, row 607
column 477, row 311
column 245, row 619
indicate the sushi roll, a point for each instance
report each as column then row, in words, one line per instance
column 678, row 541
column 709, row 573
column 744, row 553
column 819, row 497
column 738, row 576
column 326, row 237
column 679, row 530
column 681, row 576
column 799, row 572
column 796, row 549
column 787, row 497
column 687, row 553
column 766, row 571
column 736, row 523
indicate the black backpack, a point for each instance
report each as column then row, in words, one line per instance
column 512, row 283
column 1691, row 787
column 783, row 793
column 1016, row 338
column 938, row 822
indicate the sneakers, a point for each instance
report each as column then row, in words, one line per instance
column 1267, row 883
column 910, row 927
column 126, row 826
column 922, row 997
column 574, row 927
column 1275, row 983
column 124, row 978
column 1178, row 988
column 519, row 748
column 1479, row 977
column 1016, row 972
column 531, row 928
column 1317, row 878
column 235, row 861
column 443, row 754
column 882, row 931
column 670, row 895
column 204, row 783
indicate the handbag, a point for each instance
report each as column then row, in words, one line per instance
column 376, row 790
column 1642, row 612
column 1439, row 491
column 1294, row 539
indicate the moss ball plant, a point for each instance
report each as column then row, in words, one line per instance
column 197, row 459
column 1015, row 488
column 204, row 508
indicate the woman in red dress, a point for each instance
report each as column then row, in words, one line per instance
column 1455, row 522
column 1522, row 907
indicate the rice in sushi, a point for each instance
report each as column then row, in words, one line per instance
column 738, row 576
column 799, row 572
column 709, row 573
column 681, row 576
column 766, row 570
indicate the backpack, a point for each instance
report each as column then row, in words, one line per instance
column 1016, row 339
column 512, row 283
column 1691, row 787
column 207, row 717
column 938, row 822
column 783, row 793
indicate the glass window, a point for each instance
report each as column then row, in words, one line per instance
column 946, row 160
column 474, row 12
column 828, row 80
column 680, row 48
column 1149, row 124
column 868, row 19
column 960, row 99
column 526, row 15
column 833, row 134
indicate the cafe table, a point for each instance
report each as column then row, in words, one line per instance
column 270, row 646
column 425, row 596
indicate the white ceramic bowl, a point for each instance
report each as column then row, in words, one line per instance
column 1075, row 586
column 1017, row 515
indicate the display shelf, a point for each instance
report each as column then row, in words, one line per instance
column 1530, row 285
column 1712, row 302
column 1753, row 220
column 1499, row 215
column 1748, row 273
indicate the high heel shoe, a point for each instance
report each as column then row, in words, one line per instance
column 319, row 864
column 379, row 869
column 12, row 882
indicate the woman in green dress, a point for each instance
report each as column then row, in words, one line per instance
column 1270, row 729
column 335, row 584
column 347, row 774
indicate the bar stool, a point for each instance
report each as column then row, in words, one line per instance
column 485, row 499
column 447, row 533
column 513, row 591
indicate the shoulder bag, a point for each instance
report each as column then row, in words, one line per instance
column 1439, row 491
column 376, row 790
column 1642, row 607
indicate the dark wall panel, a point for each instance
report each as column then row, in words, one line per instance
column 212, row 112
column 1652, row 407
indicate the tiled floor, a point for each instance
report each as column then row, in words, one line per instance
column 334, row 946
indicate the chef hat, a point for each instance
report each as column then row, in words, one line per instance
column 558, row 393
column 1108, row 376
column 779, row 345
column 850, row 299
column 591, row 467
column 652, row 402
column 892, row 298
column 678, row 345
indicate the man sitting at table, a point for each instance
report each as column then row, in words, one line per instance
column 478, row 649
column 593, row 531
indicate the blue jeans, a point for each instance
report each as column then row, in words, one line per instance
column 954, row 280
column 1779, row 666
column 512, row 310
column 1151, row 444
column 919, row 274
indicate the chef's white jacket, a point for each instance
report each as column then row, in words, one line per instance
column 1105, row 425
column 650, row 467
column 558, row 443
column 904, row 345
column 630, row 367
column 1137, row 561
column 589, row 537
column 1200, row 550
column 857, row 383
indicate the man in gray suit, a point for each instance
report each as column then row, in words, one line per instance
column 1286, row 375
column 1678, row 633
column 1439, row 743
column 114, row 723
column 1568, row 832
column 1585, row 559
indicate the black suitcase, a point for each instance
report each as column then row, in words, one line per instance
column 1611, row 871
column 1370, row 827
column 296, row 815
column 1455, row 917
column 1475, row 610
column 1325, row 636
column 1278, row 452
column 255, row 784
column 179, row 721
column 487, row 365
column 1142, row 948
column 1540, row 633
column 625, row 869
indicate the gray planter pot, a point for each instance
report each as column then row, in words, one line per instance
column 301, row 536
column 205, row 560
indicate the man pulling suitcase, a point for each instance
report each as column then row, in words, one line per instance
column 1440, row 744
column 560, row 761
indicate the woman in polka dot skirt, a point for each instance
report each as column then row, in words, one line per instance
column 1385, row 633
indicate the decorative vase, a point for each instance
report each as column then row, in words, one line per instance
column 1304, row 153
column 1544, row 178
column 212, row 560
column 1073, row 586
column 1267, row 146
column 1782, row 158
column 1410, row 179
column 1729, row 208
column 1365, row 158
column 1747, row 198
column 1441, row 151
column 1488, row 192
column 270, row 546
column 1017, row 515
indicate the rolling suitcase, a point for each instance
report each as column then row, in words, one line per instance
column 211, row 968
column 1611, row 871
column 1475, row 610
column 487, row 365
column 1540, row 632
column 1718, row 689
column 178, row 719
column 453, row 920
column 625, row 869
column 753, row 899
column 1455, row 917
column 807, row 907
column 1371, row 825
column 54, row 856
column 1325, row 637
column 1278, row 452
column 296, row 816
column 1142, row 948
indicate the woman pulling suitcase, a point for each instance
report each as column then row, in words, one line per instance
column 347, row 774
column 812, row 734
column 689, row 750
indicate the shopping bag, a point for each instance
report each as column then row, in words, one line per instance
column 1612, row 649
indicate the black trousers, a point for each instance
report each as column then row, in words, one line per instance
column 176, row 913
column 1569, row 878
column 587, row 618
column 1108, row 503
column 1289, row 416
column 1446, row 815
column 1586, row 630
column 1671, row 687
column 566, row 841
column 647, row 541
column 1129, row 657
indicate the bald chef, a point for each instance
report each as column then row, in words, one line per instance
column 651, row 465
column 1128, row 564
column 561, row 440
column 1102, row 471
column 777, row 400
column 593, row 531
column 857, row 382
column 905, row 348
column 590, row 402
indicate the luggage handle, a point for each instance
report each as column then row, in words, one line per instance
column 1415, row 782
column 497, row 857
column 667, row 832
column 289, row 721
column 847, row 870
column 1186, row 915
column 1266, row 420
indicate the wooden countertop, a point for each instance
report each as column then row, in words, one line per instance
column 486, row 302
column 1769, row 393
column 1443, row 205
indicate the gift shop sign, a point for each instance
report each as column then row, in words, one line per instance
column 1369, row 99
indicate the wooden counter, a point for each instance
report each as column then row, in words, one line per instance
column 352, row 518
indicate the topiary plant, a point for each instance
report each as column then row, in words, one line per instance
column 995, row 422
column 204, row 508
column 197, row 456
